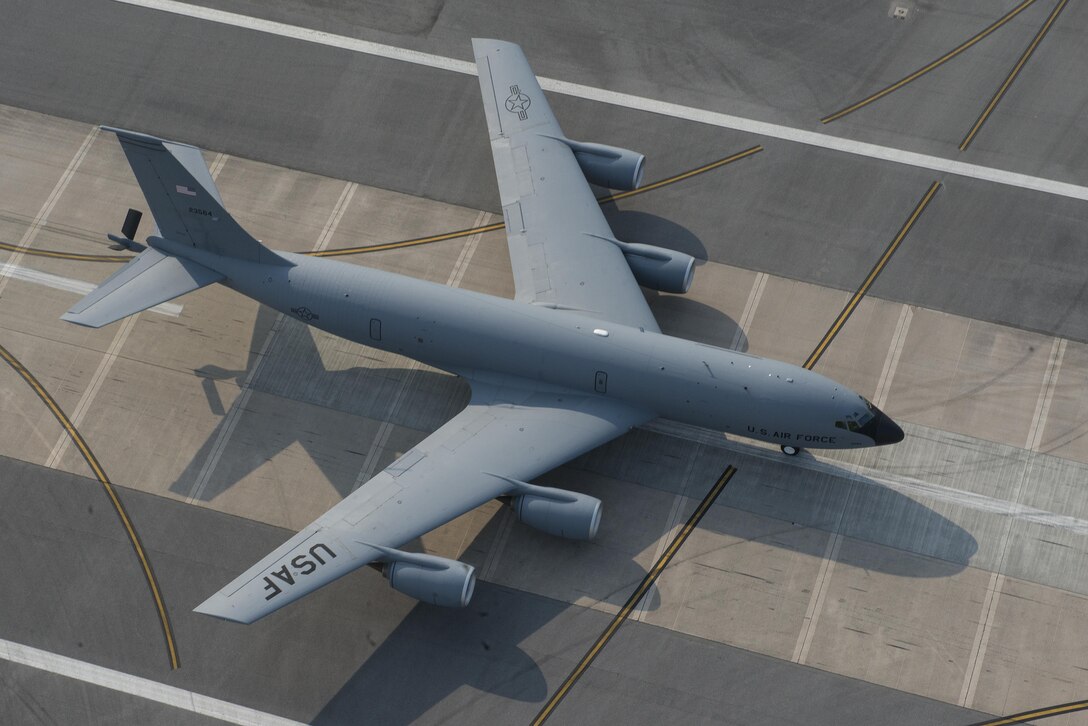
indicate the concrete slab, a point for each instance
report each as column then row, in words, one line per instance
column 147, row 424
column 970, row 377
column 1041, row 552
column 856, row 357
column 377, row 216
column 741, row 579
column 1032, row 657
column 712, row 310
column 37, row 150
column 1066, row 431
column 600, row 574
column 217, row 336
column 914, row 635
column 30, row 429
column 284, row 208
column 289, row 462
column 490, row 269
column 791, row 319
column 93, row 203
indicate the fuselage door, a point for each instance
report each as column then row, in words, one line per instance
column 600, row 382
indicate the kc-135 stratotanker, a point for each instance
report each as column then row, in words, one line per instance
column 575, row 360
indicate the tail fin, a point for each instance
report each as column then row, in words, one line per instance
column 189, row 212
column 185, row 201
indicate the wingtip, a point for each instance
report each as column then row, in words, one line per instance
column 216, row 609
column 482, row 46
column 79, row 319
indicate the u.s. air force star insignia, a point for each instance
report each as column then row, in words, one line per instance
column 304, row 313
column 518, row 103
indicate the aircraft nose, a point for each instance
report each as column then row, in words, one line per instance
column 882, row 430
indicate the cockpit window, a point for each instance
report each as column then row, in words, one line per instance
column 849, row 424
column 856, row 420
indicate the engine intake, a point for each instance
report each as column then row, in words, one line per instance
column 608, row 166
column 431, row 579
column 560, row 513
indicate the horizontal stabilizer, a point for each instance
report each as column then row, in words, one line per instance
column 149, row 279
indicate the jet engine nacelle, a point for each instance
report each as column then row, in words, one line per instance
column 658, row 268
column 559, row 512
column 431, row 579
column 608, row 166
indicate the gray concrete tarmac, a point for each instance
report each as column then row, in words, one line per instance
column 74, row 589
column 983, row 250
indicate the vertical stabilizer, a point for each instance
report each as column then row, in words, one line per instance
column 184, row 199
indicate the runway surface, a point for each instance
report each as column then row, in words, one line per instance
column 937, row 581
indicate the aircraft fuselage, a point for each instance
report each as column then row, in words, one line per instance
column 474, row 334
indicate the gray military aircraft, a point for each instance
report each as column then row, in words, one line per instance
column 575, row 360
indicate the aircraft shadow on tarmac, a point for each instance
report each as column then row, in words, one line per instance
column 686, row 318
column 824, row 497
column 632, row 225
column 488, row 647
column 435, row 651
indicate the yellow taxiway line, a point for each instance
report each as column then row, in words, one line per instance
column 500, row 225
column 636, row 596
column 852, row 303
column 1036, row 714
column 100, row 474
column 927, row 68
column 1012, row 75
column 64, row 255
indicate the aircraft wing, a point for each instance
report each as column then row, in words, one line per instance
column 558, row 237
column 507, row 430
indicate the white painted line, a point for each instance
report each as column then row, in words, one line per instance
column 887, row 375
column 1046, row 395
column 712, row 118
column 982, row 639
column 307, row 34
column 819, row 593
column 68, row 284
column 89, row 394
column 750, row 306
column 997, row 580
column 673, row 525
column 217, row 165
column 135, row 686
column 337, row 214
column 50, row 202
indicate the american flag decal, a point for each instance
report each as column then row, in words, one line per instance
column 185, row 190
